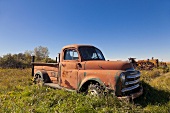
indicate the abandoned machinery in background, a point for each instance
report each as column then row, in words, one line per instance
column 149, row 64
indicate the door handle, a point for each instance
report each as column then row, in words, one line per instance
column 79, row 65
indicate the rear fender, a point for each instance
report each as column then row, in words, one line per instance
column 44, row 75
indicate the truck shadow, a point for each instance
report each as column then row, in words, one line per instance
column 152, row 96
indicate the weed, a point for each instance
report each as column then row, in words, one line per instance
column 18, row 94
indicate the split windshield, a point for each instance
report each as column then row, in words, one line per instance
column 91, row 53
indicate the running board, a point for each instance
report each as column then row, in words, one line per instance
column 56, row 86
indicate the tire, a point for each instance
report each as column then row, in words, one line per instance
column 95, row 90
column 41, row 77
column 38, row 79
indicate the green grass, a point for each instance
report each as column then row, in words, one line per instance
column 18, row 94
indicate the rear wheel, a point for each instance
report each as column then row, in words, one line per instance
column 41, row 77
column 38, row 79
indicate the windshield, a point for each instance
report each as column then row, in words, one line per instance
column 91, row 53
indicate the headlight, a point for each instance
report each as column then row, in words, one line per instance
column 122, row 77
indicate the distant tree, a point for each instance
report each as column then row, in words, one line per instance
column 23, row 60
column 8, row 61
column 41, row 53
column 28, row 57
column 1, row 60
column 49, row 60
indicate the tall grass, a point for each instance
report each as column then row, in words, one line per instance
column 156, row 97
column 18, row 94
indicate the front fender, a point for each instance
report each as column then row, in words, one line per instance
column 87, row 79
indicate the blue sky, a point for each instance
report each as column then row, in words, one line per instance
column 120, row 28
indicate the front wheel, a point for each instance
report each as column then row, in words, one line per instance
column 95, row 90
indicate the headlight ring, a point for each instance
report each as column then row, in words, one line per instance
column 122, row 77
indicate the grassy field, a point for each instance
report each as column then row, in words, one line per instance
column 18, row 94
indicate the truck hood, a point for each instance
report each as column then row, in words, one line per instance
column 107, row 65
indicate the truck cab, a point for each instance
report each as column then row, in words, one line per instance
column 83, row 68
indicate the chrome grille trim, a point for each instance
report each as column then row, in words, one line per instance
column 130, row 88
column 132, row 82
column 134, row 76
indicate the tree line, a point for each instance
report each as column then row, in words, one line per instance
column 23, row 60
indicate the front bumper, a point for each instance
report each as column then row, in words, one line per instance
column 133, row 96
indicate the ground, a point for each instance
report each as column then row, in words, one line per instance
column 19, row 94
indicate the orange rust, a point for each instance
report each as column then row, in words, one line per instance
column 148, row 64
column 107, row 65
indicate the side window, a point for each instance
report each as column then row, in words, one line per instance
column 99, row 54
column 94, row 56
column 70, row 54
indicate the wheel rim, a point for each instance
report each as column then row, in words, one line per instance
column 93, row 92
column 38, row 79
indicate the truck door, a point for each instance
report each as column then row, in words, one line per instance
column 69, row 70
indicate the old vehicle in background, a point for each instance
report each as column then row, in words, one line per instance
column 149, row 64
column 83, row 68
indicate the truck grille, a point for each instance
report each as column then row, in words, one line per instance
column 131, row 84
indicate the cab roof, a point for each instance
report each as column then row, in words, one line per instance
column 76, row 46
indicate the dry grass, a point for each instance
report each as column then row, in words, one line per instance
column 18, row 94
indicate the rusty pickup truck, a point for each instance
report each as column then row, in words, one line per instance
column 83, row 68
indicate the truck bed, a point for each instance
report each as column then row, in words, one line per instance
column 50, row 68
